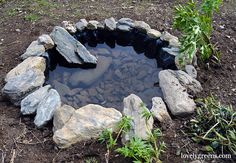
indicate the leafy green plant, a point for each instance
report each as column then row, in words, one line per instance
column 138, row 149
column 106, row 136
column 145, row 150
column 215, row 126
column 195, row 22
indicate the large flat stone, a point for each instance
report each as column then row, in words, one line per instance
column 20, row 86
column 86, row 123
column 71, row 49
column 175, row 95
column 38, row 63
column 89, row 77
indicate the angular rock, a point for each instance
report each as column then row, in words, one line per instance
column 173, row 41
column 81, row 25
column 141, row 26
column 62, row 116
column 175, row 95
column 133, row 109
column 86, row 78
column 152, row 33
column 71, row 49
column 190, row 69
column 46, row 41
column 92, row 24
column 47, row 107
column 38, row 63
column 172, row 51
column 159, row 110
column 34, row 49
column 191, row 84
column 30, row 103
column 20, row 86
column 124, row 28
column 110, row 24
column 86, row 123
column 126, row 21
column 70, row 27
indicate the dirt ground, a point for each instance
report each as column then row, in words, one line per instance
column 22, row 21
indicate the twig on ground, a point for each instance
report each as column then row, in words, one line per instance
column 13, row 156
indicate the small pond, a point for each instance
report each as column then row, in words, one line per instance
column 128, row 62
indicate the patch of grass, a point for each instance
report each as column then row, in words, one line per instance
column 12, row 12
column 91, row 160
column 32, row 17
column 214, row 126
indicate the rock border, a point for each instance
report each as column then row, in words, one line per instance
column 24, row 84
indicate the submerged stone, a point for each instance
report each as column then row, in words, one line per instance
column 71, row 49
column 89, row 77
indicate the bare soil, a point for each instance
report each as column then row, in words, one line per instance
column 21, row 141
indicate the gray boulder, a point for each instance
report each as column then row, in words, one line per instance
column 191, row 84
column 126, row 21
column 30, row 103
column 172, row 51
column 47, row 107
column 38, row 63
column 71, row 49
column 69, row 26
column 160, row 111
column 133, row 109
column 190, row 69
column 110, row 24
column 141, row 26
column 175, row 95
column 86, row 123
column 81, row 25
column 86, row 78
column 124, row 28
column 20, row 86
column 92, row 25
column 46, row 41
column 173, row 41
column 152, row 33
column 62, row 116
column 34, row 49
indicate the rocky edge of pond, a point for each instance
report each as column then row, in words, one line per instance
column 25, row 86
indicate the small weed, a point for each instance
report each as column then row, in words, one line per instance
column 32, row 17
column 91, row 160
column 12, row 12
column 215, row 126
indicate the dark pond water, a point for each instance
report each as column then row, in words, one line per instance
column 127, row 63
